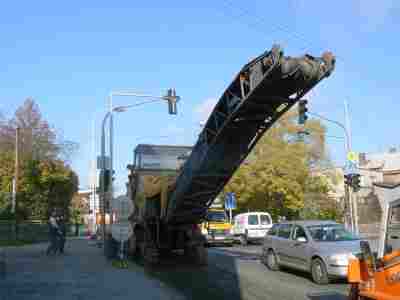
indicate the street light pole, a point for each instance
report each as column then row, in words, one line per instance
column 171, row 99
column 111, row 139
column 103, row 188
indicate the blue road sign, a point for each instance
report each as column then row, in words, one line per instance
column 350, row 167
column 230, row 201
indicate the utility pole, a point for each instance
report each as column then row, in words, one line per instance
column 15, row 181
column 92, row 177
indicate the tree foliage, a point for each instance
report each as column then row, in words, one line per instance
column 45, row 179
column 277, row 176
column 79, row 206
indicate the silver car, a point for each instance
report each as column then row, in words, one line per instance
column 320, row 247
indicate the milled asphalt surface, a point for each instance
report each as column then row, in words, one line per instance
column 81, row 274
column 237, row 274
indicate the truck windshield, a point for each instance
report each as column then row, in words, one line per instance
column 393, row 229
column 331, row 233
column 216, row 216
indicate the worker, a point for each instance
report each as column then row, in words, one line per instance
column 53, row 231
column 62, row 234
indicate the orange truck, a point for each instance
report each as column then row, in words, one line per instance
column 376, row 276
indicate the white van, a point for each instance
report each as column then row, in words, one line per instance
column 251, row 226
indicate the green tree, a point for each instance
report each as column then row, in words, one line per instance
column 45, row 179
column 277, row 176
column 6, row 176
column 79, row 206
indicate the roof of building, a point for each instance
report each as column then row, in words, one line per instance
column 162, row 149
column 386, row 161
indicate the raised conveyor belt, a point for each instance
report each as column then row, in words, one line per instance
column 263, row 90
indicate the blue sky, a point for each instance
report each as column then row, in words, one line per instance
column 69, row 55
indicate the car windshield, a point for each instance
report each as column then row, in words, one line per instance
column 216, row 216
column 331, row 233
column 253, row 220
column 265, row 220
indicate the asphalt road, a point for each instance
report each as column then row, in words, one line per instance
column 236, row 273
column 232, row 273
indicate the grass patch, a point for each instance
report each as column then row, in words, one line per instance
column 13, row 243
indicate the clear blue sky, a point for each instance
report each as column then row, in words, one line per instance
column 69, row 55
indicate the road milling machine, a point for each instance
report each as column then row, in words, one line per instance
column 376, row 276
column 168, row 207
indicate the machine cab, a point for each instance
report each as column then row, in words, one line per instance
column 378, row 278
column 393, row 228
column 389, row 199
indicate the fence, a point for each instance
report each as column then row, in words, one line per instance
column 33, row 231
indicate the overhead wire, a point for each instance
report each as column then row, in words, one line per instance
column 262, row 21
column 257, row 20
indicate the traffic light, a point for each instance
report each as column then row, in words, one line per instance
column 107, row 176
column 347, row 179
column 172, row 99
column 105, row 179
column 303, row 111
column 353, row 180
column 101, row 181
column 355, row 183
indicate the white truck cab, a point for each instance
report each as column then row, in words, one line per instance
column 251, row 226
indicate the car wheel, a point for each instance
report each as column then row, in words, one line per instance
column 319, row 272
column 243, row 240
column 272, row 262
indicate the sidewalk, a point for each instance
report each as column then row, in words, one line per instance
column 81, row 274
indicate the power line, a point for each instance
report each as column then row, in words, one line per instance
column 262, row 21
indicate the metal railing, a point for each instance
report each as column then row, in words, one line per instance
column 33, row 231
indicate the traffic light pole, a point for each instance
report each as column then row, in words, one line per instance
column 348, row 212
column 348, row 191
column 171, row 99
column 352, row 194
column 353, row 197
